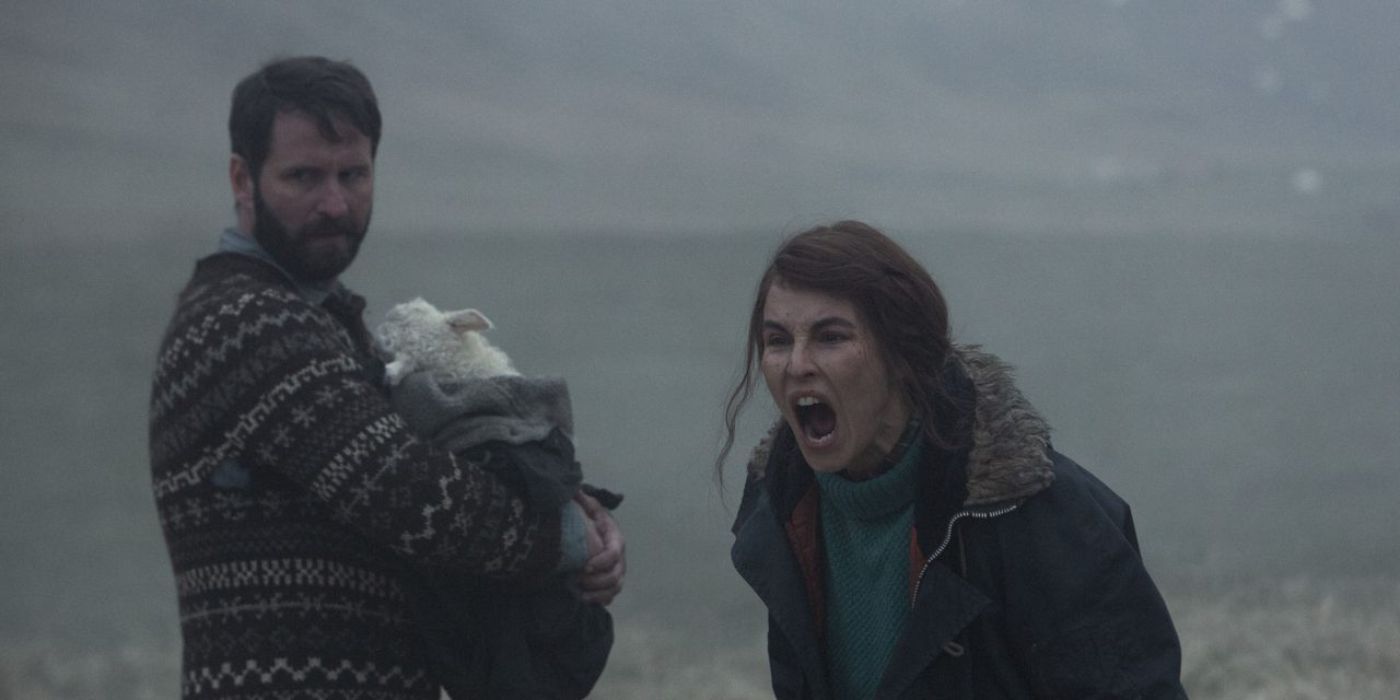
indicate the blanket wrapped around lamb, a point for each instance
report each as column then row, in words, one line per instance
column 460, row 415
column 489, row 639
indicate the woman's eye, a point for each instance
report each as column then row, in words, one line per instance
column 774, row 341
column 832, row 337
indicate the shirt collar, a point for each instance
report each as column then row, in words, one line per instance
column 316, row 293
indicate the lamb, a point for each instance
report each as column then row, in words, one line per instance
column 448, row 344
column 457, row 390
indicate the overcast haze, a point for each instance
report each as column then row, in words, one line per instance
column 1178, row 220
column 1106, row 116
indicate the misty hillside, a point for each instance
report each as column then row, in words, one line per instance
column 1178, row 220
column 1106, row 116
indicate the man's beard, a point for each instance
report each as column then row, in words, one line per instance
column 295, row 253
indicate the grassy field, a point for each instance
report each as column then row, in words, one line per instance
column 1241, row 395
column 1294, row 639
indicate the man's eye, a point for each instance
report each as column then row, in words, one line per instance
column 832, row 337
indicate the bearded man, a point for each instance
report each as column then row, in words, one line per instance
column 296, row 504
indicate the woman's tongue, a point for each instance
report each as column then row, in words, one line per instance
column 818, row 421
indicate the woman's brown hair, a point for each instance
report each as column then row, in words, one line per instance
column 894, row 294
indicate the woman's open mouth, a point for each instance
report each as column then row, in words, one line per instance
column 817, row 420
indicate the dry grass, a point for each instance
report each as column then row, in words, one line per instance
column 1294, row 639
column 45, row 670
column 649, row 661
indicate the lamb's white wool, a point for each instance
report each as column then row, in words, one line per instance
column 449, row 344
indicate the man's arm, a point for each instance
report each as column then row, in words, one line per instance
column 280, row 392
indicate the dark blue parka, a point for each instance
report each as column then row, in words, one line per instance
column 1025, row 578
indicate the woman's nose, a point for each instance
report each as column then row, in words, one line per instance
column 800, row 360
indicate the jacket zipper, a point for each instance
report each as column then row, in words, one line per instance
column 948, row 537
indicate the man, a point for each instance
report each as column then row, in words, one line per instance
column 295, row 503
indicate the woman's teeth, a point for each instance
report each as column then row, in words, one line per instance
column 817, row 419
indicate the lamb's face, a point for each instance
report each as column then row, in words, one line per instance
column 412, row 325
column 419, row 337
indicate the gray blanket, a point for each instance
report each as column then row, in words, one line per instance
column 461, row 415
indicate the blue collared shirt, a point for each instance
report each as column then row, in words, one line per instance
column 232, row 241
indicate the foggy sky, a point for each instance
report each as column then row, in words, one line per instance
column 1239, row 390
column 1107, row 116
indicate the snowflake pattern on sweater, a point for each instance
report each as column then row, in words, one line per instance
column 293, row 498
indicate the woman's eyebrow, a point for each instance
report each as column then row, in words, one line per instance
column 819, row 324
column 833, row 321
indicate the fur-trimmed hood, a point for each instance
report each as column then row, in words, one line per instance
column 1010, row 455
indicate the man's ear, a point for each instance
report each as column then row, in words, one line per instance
column 240, row 176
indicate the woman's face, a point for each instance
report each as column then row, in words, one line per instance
column 827, row 376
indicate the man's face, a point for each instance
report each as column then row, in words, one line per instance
column 313, row 199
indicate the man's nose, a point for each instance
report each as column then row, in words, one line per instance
column 335, row 201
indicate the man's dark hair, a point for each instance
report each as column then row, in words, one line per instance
column 323, row 89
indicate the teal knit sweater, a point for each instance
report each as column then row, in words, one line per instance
column 865, row 530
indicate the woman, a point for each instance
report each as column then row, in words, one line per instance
column 907, row 523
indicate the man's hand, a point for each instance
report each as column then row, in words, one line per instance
column 601, row 578
column 591, row 538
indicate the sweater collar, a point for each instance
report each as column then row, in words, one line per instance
column 315, row 293
column 893, row 490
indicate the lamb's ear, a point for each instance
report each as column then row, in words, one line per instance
column 468, row 320
column 395, row 371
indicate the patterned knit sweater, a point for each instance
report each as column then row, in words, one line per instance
column 292, row 497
